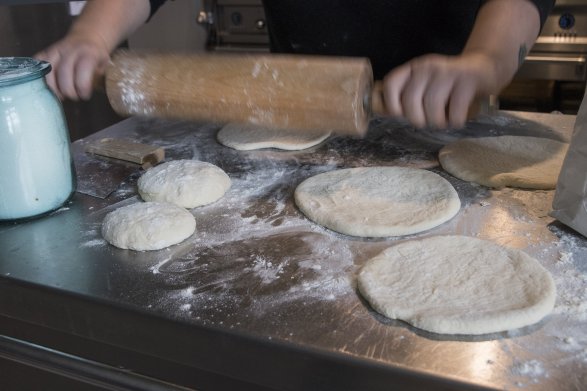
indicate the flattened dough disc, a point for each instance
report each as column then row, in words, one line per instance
column 378, row 201
column 246, row 137
column 458, row 285
column 514, row 161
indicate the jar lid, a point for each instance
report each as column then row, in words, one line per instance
column 15, row 70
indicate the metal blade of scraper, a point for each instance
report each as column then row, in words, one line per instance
column 99, row 176
column 102, row 165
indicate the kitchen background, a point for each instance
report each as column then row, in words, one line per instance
column 552, row 78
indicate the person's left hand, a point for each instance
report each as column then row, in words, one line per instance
column 437, row 90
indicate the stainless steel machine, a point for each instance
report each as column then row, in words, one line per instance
column 235, row 25
column 560, row 52
column 554, row 75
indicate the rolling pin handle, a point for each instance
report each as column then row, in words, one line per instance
column 377, row 102
column 482, row 105
column 99, row 82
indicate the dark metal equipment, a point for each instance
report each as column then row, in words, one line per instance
column 235, row 25
column 560, row 52
column 554, row 73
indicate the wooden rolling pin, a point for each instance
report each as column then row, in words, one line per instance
column 281, row 91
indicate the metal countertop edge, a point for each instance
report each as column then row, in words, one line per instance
column 265, row 362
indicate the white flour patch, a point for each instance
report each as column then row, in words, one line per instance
column 94, row 243
column 326, row 288
column 532, row 370
column 572, row 294
column 576, row 346
column 155, row 268
column 259, row 273
column 91, row 236
column 266, row 270
column 571, row 278
column 60, row 210
column 132, row 86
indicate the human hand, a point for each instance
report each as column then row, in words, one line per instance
column 437, row 90
column 75, row 61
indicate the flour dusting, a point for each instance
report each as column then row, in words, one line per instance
column 533, row 370
column 266, row 270
column 261, row 273
column 571, row 277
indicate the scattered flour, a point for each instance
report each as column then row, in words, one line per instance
column 570, row 279
column 572, row 294
column 94, row 243
column 132, row 86
column 528, row 371
column 532, row 368
column 266, row 270
column 258, row 273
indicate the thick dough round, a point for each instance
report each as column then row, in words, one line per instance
column 246, row 137
column 458, row 285
column 515, row 161
column 148, row 226
column 187, row 183
column 378, row 201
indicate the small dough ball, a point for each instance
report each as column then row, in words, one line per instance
column 148, row 226
column 246, row 137
column 186, row 183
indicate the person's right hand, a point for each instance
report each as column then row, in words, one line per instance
column 437, row 90
column 76, row 60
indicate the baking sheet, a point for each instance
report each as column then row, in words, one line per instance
column 257, row 266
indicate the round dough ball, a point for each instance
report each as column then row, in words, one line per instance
column 148, row 226
column 246, row 137
column 187, row 183
column 515, row 161
column 378, row 201
column 458, row 285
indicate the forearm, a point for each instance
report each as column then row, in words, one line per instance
column 111, row 21
column 504, row 31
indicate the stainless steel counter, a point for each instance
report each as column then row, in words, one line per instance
column 261, row 295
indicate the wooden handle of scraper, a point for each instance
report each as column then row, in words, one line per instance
column 281, row 91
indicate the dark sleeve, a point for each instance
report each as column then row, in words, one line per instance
column 155, row 4
column 544, row 8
